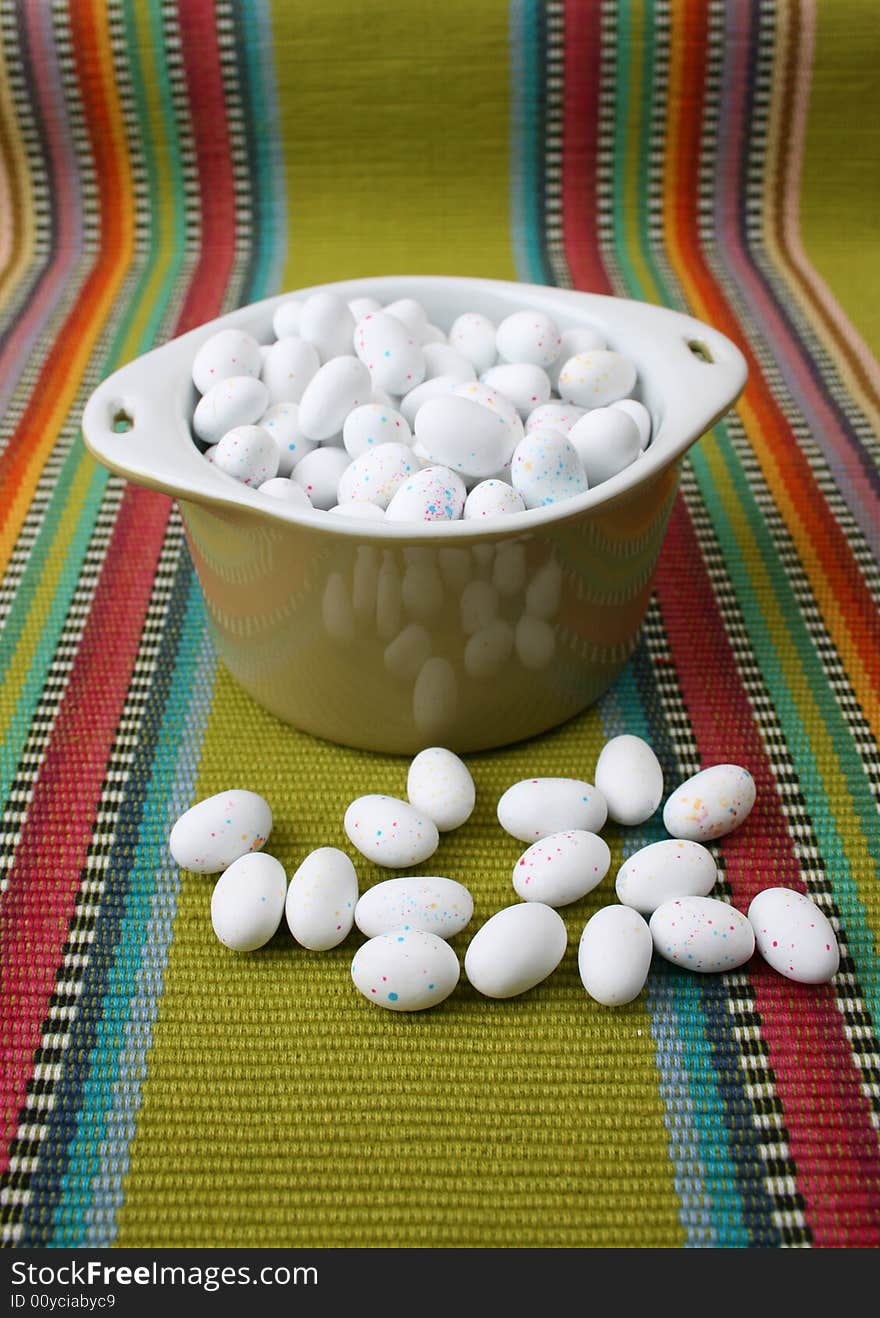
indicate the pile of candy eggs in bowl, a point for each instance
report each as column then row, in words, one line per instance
column 372, row 412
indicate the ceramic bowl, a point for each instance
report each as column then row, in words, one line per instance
column 378, row 635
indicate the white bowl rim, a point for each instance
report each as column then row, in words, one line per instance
column 693, row 395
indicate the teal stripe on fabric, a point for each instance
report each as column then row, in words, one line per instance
column 525, row 152
column 268, row 164
column 90, row 1200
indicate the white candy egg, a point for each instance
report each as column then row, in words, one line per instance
column 614, row 956
column 711, row 804
column 407, row 970
column 629, row 776
column 373, row 424
column 583, row 339
column 286, row 317
column 492, row 498
column 596, row 378
column 432, row 334
column 558, row 416
column 639, row 414
column 535, row 642
column 663, row 870
column 390, row 832
column 537, row 807
column 208, row 454
column 443, row 360
column 286, row 490
column 486, row 396
column 367, row 512
column 525, row 385
column 215, row 832
column 434, row 494
column 288, row 366
column 282, row 423
column 363, row 306
column 376, row 474
column 515, row 949
column 249, row 453
column 528, row 336
column 404, row 656
column 438, row 387
column 463, row 435
column 319, row 474
column 794, row 936
column 411, row 314
column 341, row 385
column 248, row 902
column 436, row 905
column 227, row 353
column 561, row 868
column 326, row 321
column 393, row 357
column 473, row 335
column 489, row 649
column 239, row 400
column 439, row 784
column 321, row 899
column 702, row 934
column 546, row 469
column 606, row 440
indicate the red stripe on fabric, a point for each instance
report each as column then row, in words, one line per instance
column 45, row 874
column 198, row 33
column 580, row 134
column 817, row 1080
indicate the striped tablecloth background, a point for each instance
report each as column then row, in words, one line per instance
column 163, row 162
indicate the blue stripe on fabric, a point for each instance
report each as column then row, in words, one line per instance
column 526, row 152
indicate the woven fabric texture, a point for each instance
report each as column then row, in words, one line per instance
column 163, row 162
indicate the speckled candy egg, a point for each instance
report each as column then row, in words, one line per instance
column 288, row 365
column 434, row 494
column 528, row 336
column 525, row 385
column 285, row 490
column 437, row 387
column 321, row 899
column 596, row 378
column 794, row 936
column 365, row 512
column 390, row 831
column 439, row 784
column 390, row 352
column 215, row 832
column 407, row 970
column 239, row 400
column 629, row 776
column 228, row 352
column 342, row 384
column 373, row 424
column 614, row 955
column 515, row 950
column 558, row 416
column 584, row 338
column 711, row 804
column 282, row 423
column 249, row 453
column 248, row 901
column 561, row 868
column 375, row 475
column 546, row 469
column 473, row 335
column 410, row 313
column 477, row 392
column 702, row 934
column 436, row 905
column 325, row 320
column 663, row 870
column 492, row 498
column 537, row 807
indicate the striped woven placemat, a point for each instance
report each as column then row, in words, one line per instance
column 160, row 163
